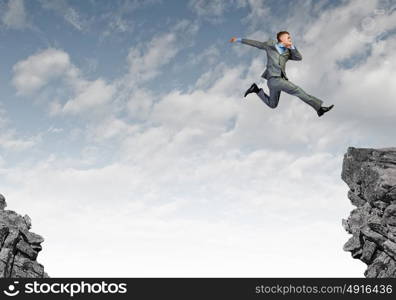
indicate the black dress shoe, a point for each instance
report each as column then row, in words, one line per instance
column 253, row 89
column 324, row 109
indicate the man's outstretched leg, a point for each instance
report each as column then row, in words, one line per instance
column 272, row 100
column 282, row 84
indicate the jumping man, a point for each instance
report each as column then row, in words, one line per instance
column 278, row 53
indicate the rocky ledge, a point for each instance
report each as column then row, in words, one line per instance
column 19, row 247
column 371, row 177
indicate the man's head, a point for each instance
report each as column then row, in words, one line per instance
column 283, row 37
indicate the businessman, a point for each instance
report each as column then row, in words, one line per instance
column 278, row 53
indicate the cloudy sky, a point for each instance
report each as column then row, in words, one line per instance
column 125, row 136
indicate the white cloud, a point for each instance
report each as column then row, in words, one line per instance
column 90, row 96
column 70, row 14
column 121, row 17
column 140, row 103
column 161, row 205
column 209, row 56
column 204, row 7
column 53, row 129
column 373, row 92
column 37, row 70
column 146, row 60
column 213, row 10
column 10, row 139
column 120, row 25
column 109, row 127
column 260, row 12
column 15, row 15
column 199, row 109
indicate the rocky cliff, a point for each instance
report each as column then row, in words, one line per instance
column 19, row 247
column 371, row 177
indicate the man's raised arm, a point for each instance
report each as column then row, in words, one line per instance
column 257, row 44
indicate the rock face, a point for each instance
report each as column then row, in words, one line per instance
column 371, row 177
column 19, row 247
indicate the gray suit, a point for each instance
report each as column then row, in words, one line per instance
column 275, row 73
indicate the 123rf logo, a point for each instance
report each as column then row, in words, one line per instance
column 12, row 289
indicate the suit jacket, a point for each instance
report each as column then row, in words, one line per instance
column 276, row 63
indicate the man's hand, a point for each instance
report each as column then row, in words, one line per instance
column 287, row 44
column 233, row 39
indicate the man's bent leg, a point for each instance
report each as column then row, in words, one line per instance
column 295, row 90
column 272, row 100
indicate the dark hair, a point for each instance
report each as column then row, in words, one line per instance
column 278, row 35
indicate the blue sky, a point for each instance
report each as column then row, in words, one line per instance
column 123, row 130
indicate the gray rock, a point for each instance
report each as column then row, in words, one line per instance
column 371, row 177
column 19, row 247
column 373, row 235
column 355, row 199
column 368, row 251
column 353, row 243
column 390, row 248
column 390, row 215
column 26, row 249
column 3, row 203
column 28, row 221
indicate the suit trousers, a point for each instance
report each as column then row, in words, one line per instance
column 278, row 84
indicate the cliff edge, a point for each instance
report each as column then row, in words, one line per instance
column 371, row 177
column 19, row 247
